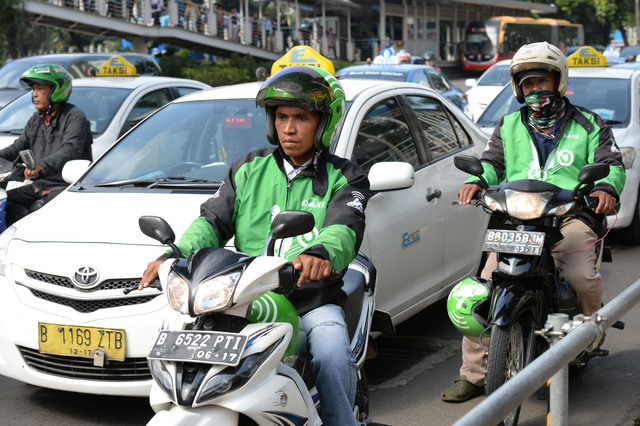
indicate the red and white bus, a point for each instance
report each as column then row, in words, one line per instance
column 489, row 41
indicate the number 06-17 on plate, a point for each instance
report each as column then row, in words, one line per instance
column 210, row 347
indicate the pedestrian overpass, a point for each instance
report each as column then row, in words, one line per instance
column 111, row 21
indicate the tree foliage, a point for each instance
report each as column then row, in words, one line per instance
column 599, row 17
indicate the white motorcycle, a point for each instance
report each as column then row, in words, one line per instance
column 238, row 355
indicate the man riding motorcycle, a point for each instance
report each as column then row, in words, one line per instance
column 305, row 109
column 548, row 139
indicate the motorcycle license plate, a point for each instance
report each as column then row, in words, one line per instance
column 508, row 241
column 209, row 347
column 71, row 340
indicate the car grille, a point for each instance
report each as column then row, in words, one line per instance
column 66, row 282
column 129, row 370
column 86, row 306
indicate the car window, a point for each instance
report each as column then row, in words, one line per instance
column 607, row 97
column 443, row 133
column 384, row 135
column 185, row 90
column 438, row 82
column 497, row 75
column 99, row 105
column 420, row 77
column 192, row 147
column 145, row 105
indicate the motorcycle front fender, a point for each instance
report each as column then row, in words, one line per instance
column 509, row 301
column 201, row 416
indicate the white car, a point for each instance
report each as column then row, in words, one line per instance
column 487, row 87
column 65, row 322
column 112, row 105
column 612, row 93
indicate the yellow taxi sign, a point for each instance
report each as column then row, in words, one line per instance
column 587, row 56
column 303, row 55
column 117, row 66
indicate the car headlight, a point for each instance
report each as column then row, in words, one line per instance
column 5, row 240
column 628, row 156
column 215, row 293
column 526, row 205
column 178, row 293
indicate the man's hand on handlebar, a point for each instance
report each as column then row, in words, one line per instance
column 606, row 202
column 33, row 173
column 467, row 192
column 312, row 268
column 150, row 275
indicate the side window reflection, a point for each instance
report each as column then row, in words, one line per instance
column 384, row 136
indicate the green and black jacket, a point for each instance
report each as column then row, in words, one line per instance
column 256, row 188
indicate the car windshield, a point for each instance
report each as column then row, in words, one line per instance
column 196, row 148
column 607, row 97
column 98, row 103
column 10, row 74
column 497, row 75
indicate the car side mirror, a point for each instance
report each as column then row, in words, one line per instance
column 391, row 175
column 74, row 169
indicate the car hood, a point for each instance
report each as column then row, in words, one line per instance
column 107, row 217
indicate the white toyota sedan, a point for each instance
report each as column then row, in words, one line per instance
column 612, row 93
column 65, row 320
column 487, row 87
column 112, row 105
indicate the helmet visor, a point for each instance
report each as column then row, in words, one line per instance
column 299, row 86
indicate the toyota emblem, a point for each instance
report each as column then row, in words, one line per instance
column 86, row 277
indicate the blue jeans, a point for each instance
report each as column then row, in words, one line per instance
column 333, row 363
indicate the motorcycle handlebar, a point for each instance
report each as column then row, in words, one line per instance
column 289, row 278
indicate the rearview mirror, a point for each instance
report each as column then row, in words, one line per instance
column 593, row 172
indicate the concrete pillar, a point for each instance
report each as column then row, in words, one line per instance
column 139, row 45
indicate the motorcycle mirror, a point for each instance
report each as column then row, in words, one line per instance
column 289, row 223
column 28, row 159
column 593, row 172
column 156, row 228
column 470, row 165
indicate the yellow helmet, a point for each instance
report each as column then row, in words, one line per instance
column 535, row 57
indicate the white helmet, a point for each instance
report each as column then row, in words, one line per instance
column 538, row 56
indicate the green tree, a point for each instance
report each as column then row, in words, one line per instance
column 13, row 25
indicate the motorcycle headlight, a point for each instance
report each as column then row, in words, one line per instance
column 178, row 293
column 5, row 240
column 215, row 293
column 526, row 205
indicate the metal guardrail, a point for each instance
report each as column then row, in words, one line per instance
column 554, row 361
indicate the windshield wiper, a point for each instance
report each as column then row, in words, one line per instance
column 612, row 121
column 156, row 182
column 11, row 131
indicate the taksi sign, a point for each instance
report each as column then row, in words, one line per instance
column 303, row 55
column 587, row 56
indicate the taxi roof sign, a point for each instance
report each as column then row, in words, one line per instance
column 303, row 55
column 117, row 66
column 587, row 56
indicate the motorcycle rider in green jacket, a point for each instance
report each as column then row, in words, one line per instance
column 548, row 139
column 305, row 109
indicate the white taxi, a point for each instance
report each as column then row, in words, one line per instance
column 65, row 320
column 612, row 93
column 113, row 102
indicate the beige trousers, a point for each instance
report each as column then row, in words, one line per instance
column 577, row 268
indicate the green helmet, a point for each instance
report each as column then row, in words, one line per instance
column 54, row 75
column 466, row 307
column 311, row 88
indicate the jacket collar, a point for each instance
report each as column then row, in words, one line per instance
column 316, row 170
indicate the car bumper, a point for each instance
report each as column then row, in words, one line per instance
column 628, row 199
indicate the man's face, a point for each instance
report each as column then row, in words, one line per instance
column 40, row 96
column 548, row 83
column 296, row 128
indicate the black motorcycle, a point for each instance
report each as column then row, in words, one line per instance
column 525, row 287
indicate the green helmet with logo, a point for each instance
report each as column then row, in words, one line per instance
column 467, row 305
column 311, row 88
column 54, row 75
